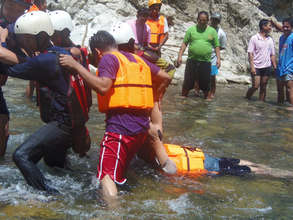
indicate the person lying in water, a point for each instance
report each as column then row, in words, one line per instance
column 193, row 161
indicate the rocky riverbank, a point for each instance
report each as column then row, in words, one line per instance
column 240, row 21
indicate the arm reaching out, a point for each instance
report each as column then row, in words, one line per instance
column 100, row 84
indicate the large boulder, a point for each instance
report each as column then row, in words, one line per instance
column 240, row 21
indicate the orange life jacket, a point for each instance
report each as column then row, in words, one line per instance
column 157, row 29
column 187, row 159
column 132, row 87
column 33, row 8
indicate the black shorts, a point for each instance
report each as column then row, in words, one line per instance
column 3, row 106
column 199, row 71
column 264, row 71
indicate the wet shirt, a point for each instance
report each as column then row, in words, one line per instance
column 285, row 65
column 142, row 33
column 45, row 69
column 124, row 121
column 201, row 43
column 262, row 50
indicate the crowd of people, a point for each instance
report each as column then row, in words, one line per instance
column 130, row 82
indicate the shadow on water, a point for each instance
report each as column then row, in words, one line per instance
column 228, row 126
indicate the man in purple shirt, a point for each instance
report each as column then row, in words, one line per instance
column 261, row 52
column 126, row 128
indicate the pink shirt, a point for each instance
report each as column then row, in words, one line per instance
column 142, row 33
column 262, row 50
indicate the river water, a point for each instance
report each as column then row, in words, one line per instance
column 228, row 126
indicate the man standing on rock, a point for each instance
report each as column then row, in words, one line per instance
column 215, row 21
column 261, row 54
column 201, row 39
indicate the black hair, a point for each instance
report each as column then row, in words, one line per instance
column 102, row 40
column 143, row 11
column 263, row 22
column 289, row 20
column 203, row 13
column 38, row 3
column 127, row 47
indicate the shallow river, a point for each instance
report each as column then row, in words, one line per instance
column 228, row 126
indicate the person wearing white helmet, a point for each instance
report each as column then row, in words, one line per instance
column 62, row 24
column 9, row 12
column 51, row 141
column 124, row 87
column 125, row 38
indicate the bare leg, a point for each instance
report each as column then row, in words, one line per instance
column 110, row 192
column 213, row 86
column 265, row 170
column 30, row 89
column 263, row 87
column 280, row 88
column 196, row 88
column 4, row 127
column 109, row 188
column 290, row 90
column 255, row 85
column 185, row 92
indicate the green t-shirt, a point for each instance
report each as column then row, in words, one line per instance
column 201, row 43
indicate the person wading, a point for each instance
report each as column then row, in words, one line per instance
column 60, row 108
column 261, row 52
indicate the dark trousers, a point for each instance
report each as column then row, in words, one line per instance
column 197, row 71
column 49, row 142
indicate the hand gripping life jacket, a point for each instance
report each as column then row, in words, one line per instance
column 157, row 29
column 132, row 87
column 86, row 63
column 187, row 159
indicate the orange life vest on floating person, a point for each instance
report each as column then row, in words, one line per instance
column 157, row 29
column 132, row 87
column 187, row 159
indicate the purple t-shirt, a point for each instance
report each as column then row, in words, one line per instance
column 124, row 121
column 142, row 33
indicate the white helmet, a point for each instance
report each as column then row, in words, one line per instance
column 122, row 32
column 33, row 23
column 61, row 20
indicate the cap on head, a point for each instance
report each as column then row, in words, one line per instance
column 217, row 16
column 61, row 20
column 122, row 32
column 34, row 23
column 154, row 2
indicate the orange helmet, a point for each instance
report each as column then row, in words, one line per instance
column 153, row 2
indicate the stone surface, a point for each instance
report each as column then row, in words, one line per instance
column 240, row 21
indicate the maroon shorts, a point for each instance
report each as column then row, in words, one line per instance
column 116, row 153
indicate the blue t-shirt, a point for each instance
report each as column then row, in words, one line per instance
column 126, row 121
column 285, row 65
